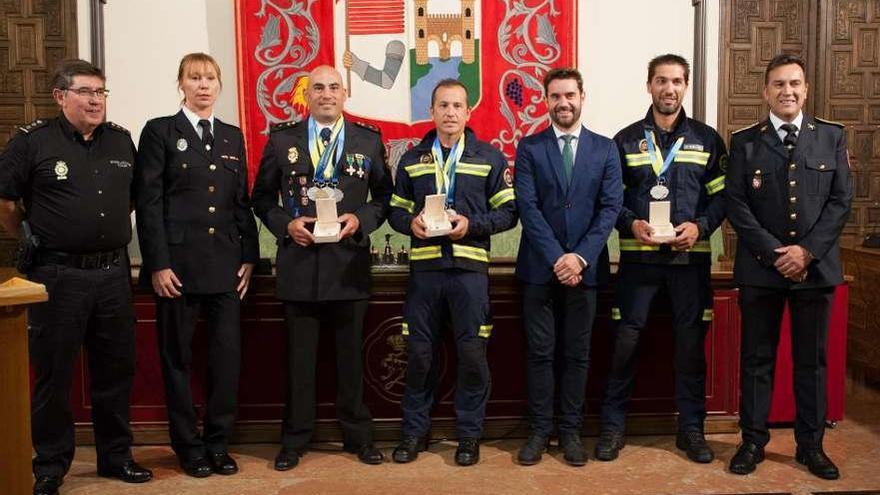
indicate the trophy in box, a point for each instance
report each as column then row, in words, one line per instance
column 662, row 230
column 327, row 224
column 436, row 216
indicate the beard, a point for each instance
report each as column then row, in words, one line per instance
column 573, row 116
column 666, row 108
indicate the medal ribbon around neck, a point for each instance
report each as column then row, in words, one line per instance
column 444, row 170
column 658, row 163
column 323, row 156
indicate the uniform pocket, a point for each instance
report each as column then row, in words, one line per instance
column 818, row 175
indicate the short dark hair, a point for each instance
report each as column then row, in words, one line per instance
column 669, row 59
column 448, row 83
column 563, row 73
column 784, row 59
column 65, row 71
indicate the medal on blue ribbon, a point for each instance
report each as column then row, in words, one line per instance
column 324, row 159
column 444, row 170
column 661, row 164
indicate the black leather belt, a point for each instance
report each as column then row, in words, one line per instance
column 86, row 261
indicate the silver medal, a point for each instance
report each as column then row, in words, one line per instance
column 450, row 212
column 336, row 194
column 659, row 192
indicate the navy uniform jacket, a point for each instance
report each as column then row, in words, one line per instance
column 193, row 213
column 482, row 194
column 322, row 272
column 558, row 218
column 773, row 201
column 695, row 180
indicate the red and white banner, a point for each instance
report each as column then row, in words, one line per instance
column 391, row 54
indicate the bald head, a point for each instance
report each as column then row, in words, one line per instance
column 326, row 95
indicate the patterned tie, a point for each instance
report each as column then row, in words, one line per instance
column 790, row 140
column 325, row 135
column 207, row 137
column 567, row 157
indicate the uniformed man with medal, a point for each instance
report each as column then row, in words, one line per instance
column 323, row 286
column 673, row 170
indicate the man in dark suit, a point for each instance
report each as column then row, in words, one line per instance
column 199, row 244
column 569, row 194
column 323, row 284
column 788, row 198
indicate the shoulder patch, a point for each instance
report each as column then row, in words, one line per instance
column 117, row 127
column 745, row 128
column 27, row 128
column 282, row 126
column 367, row 126
column 830, row 122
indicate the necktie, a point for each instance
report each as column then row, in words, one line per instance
column 790, row 139
column 567, row 157
column 207, row 137
column 325, row 135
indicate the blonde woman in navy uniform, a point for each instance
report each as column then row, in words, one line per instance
column 199, row 244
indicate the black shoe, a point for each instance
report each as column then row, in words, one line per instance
column 408, row 449
column 746, row 459
column 532, row 451
column 286, row 459
column 609, row 444
column 367, row 453
column 222, row 463
column 468, row 452
column 47, row 485
column 693, row 443
column 818, row 463
column 129, row 472
column 197, row 467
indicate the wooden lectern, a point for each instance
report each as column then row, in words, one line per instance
column 15, row 415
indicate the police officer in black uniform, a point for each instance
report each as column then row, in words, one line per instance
column 199, row 244
column 449, row 273
column 665, row 157
column 328, row 284
column 73, row 176
column 788, row 198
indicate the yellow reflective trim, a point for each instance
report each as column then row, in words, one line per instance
column 698, row 157
column 425, row 253
column 403, row 203
column 503, row 196
column 419, row 170
column 470, row 252
column 479, row 170
column 615, row 313
column 634, row 245
column 404, row 329
column 638, row 159
column 485, row 331
column 708, row 314
column 715, row 185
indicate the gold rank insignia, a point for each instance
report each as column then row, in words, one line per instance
column 61, row 170
column 292, row 155
column 426, row 158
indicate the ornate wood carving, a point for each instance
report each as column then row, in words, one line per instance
column 34, row 36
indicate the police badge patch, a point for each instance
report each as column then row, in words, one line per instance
column 61, row 170
column 427, row 158
column 756, row 180
column 643, row 146
column 182, row 144
column 508, row 176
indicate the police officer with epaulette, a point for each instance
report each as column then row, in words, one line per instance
column 449, row 273
column 788, row 198
column 323, row 285
column 671, row 158
column 73, row 176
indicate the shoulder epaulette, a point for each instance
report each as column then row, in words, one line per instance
column 117, row 127
column 282, row 126
column 27, row 128
column 830, row 122
column 744, row 128
column 367, row 126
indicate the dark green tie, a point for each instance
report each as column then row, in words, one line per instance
column 567, row 157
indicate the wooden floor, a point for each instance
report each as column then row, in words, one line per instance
column 648, row 465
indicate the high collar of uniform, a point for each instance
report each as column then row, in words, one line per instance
column 73, row 133
column 428, row 140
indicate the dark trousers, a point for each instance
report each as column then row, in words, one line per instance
column 433, row 299
column 762, row 310
column 558, row 321
column 690, row 296
column 91, row 308
column 304, row 321
column 176, row 323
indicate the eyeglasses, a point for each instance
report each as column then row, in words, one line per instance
column 99, row 93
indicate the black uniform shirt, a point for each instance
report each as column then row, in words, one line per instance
column 76, row 193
